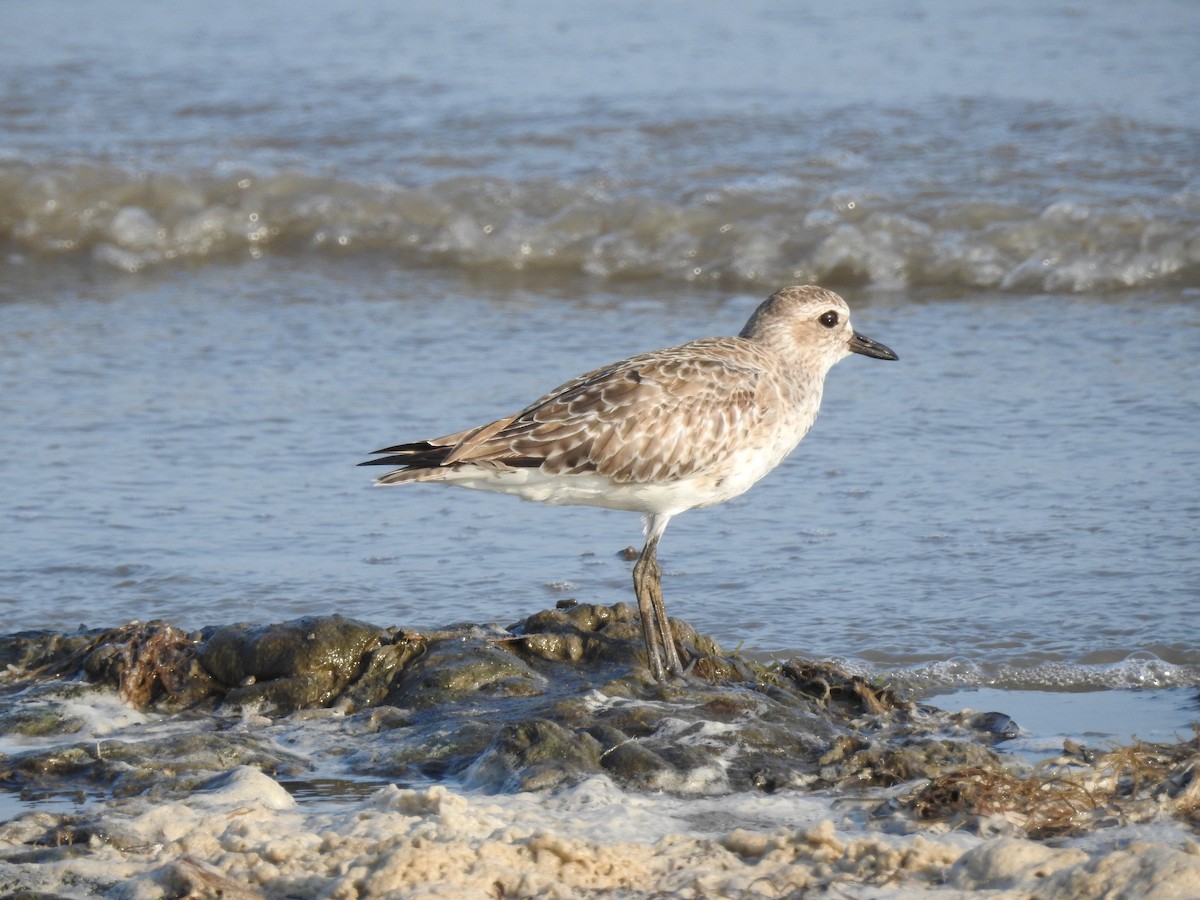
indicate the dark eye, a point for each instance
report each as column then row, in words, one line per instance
column 829, row 319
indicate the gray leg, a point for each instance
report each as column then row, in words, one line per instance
column 656, row 627
column 674, row 666
column 645, row 574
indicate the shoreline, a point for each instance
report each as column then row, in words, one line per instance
column 545, row 757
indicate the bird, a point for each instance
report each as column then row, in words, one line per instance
column 659, row 433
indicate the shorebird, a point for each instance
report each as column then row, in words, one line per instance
column 659, row 433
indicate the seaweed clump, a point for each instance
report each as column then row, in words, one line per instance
column 1071, row 794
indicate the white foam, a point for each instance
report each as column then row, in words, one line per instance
column 592, row 838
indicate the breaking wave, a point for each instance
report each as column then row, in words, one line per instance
column 760, row 232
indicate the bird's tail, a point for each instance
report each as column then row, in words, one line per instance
column 418, row 461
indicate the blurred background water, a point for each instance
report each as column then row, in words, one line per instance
column 241, row 247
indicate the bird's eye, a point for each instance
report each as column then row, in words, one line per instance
column 829, row 319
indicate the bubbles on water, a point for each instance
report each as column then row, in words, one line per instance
column 1141, row 670
column 135, row 228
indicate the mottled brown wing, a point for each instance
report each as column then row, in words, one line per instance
column 658, row 417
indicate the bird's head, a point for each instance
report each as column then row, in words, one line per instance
column 811, row 324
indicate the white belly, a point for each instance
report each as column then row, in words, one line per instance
column 736, row 475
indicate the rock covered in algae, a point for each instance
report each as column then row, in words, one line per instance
column 471, row 662
column 165, row 767
column 302, row 663
column 555, row 698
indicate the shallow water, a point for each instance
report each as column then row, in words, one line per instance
column 240, row 248
column 984, row 510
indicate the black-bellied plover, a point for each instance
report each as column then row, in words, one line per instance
column 659, row 433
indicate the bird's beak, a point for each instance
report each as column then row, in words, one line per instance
column 868, row 347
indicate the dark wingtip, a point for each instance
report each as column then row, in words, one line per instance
column 387, row 460
column 420, row 454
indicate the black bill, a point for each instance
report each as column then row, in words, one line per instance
column 868, row 347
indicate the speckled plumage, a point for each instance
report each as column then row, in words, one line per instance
column 661, row 432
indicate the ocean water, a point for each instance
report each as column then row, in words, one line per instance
column 242, row 247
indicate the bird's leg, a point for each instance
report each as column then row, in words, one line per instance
column 674, row 666
column 660, row 642
column 646, row 572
